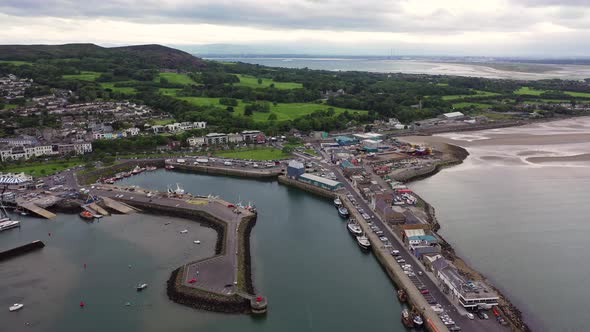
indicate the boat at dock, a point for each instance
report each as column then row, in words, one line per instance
column 363, row 242
column 8, row 224
column 343, row 212
column 86, row 215
column 402, row 296
column 141, row 287
column 151, row 168
column 136, row 170
column 407, row 320
column 337, row 202
column 16, row 307
column 417, row 320
column 354, row 228
column 169, row 167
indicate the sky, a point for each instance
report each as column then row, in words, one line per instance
column 539, row 28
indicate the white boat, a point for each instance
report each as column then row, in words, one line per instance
column 363, row 242
column 97, row 216
column 16, row 306
column 9, row 224
column 197, row 242
column 337, row 202
column 343, row 212
column 179, row 190
column 418, row 321
column 354, row 228
column 141, row 287
column 184, row 231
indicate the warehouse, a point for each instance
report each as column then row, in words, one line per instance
column 321, row 182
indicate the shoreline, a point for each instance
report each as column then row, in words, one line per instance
column 509, row 310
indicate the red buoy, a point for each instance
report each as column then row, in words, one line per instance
column 82, row 304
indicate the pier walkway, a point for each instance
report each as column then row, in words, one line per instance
column 37, row 210
column 216, row 274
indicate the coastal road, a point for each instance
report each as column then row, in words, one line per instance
column 465, row 323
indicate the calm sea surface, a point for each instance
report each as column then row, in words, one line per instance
column 576, row 72
column 523, row 225
column 305, row 262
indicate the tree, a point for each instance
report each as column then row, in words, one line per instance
column 260, row 81
column 272, row 117
column 248, row 111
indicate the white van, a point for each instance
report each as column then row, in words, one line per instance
column 227, row 163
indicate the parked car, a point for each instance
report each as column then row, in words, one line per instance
column 425, row 291
column 470, row 315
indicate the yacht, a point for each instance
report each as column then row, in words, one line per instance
column 343, row 212
column 16, row 306
column 136, row 170
column 141, row 287
column 337, row 202
column 363, row 242
column 179, row 190
column 9, row 224
column 354, row 228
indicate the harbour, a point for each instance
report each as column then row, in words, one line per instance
column 307, row 218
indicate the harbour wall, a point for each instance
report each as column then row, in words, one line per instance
column 198, row 298
column 228, row 171
column 21, row 250
column 395, row 272
column 85, row 178
column 306, row 187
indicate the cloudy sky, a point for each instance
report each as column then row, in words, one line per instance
column 363, row 27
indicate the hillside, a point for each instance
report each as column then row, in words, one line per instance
column 151, row 55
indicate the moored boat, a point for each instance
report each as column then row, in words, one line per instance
column 136, row 170
column 363, row 242
column 402, row 295
column 407, row 320
column 343, row 212
column 169, row 167
column 141, row 287
column 16, row 306
column 417, row 320
column 354, row 228
column 86, row 215
column 8, row 224
column 337, row 202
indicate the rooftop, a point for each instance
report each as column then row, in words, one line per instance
column 320, row 179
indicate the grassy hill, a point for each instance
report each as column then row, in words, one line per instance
column 152, row 55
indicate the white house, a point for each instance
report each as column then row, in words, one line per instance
column 196, row 141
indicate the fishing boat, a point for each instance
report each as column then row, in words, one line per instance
column 86, row 215
column 363, row 242
column 151, row 168
column 402, row 296
column 141, row 287
column 169, row 167
column 354, row 228
column 136, row 170
column 417, row 320
column 16, row 306
column 184, row 231
column 407, row 320
column 343, row 212
column 337, row 202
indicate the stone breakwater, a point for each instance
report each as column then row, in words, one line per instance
column 227, row 171
column 21, row 250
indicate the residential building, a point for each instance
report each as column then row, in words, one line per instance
column 250, row 135
column 196, row 141
column 157, row 129
column 216, row 138
column 235, row 138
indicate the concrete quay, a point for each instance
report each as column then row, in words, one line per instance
column 270, row 173
column 219, row 283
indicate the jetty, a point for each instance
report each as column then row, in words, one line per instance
column 220, row 283
column 21, row 250
column 34, row 208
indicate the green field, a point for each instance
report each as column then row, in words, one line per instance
column 162, row 122
column 16, row 62
column 175, row 78
column 83, row 76
column 577, row 94
column 466, row 105
column 42, row 169
column 111, row 85
column 479, row 94
column 525, row 90
column 252, row 82
column 168, row 91
column 495, row 116
column 284, row 111
column 9, row 106
column 255, row 154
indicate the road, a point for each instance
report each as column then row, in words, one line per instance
column 461, row 320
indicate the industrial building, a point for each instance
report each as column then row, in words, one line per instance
column 319, row 181
column 295, row 169
column 470, row 294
